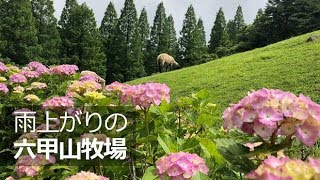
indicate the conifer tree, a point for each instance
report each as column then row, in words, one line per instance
column 108, row 26
column 64, row 17
column 202, row 32
column 235, row 26
column 63, row 23
column 219, row 40
column 189, row 42
column 158, row 40
column 2, row 16
column 170, row 36
column 126, row 61
column 18, row 32
column 144, row 30
column 48, row 35
column 108, row 30
column 84, row 41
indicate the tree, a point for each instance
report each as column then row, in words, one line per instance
column 144, row 30
column 190, row 40
column 158, row 40
column 63, row 23
column 202, row 32
column 219, row 40
column 2, row 16
column 170, row 35
column 84, row 41
column 126, row 60
column 48, row 35
column 288, row 18
column 108, row 30
column 18, row 31
column 235, row 26
column 64, row 17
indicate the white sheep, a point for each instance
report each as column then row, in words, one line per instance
column 165, row 59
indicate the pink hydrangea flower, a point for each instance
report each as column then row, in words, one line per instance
column 28, row 166
column 64, row 69
column 58, row 103
column 144, row 95
column 286, row 169
column 3, row 68
column 3, row 88
column 38, row 67
column 9, row 178
column 30, row 74
column 269, row 112
column 17, row 78
column 86, row 175
column 117, row 87
column 89, row 78
column 180, row 165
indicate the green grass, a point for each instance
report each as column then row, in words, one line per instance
column 291, row 65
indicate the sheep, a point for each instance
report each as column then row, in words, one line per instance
column 91, row 73
column 165, row 59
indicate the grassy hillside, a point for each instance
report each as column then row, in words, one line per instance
column 291, row 65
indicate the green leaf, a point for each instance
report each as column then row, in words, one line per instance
column 168, row 144
column 149, row 174
column 205, row 119
column 163, row 145
column 235, row 153
column 164, row 107
column 189, row 144
column 200, row 176
column 203, row 94
column 54, row 167
column 211, row 148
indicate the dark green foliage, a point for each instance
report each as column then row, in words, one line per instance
column 292, row 17
column 126, row 60
column 219, row 39
column 18, row 32
column 2, row 15
column 108, row 30
column 48, row 35
column 281, row 20
column 235, row 26
column 144, row 30
column 84, row 46
column 70, row 4
column 190, row 41
column 203, row 41
column 63, row 23
column 158, row 39
column 171, row 37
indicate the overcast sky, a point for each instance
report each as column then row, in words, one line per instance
column 206, row 9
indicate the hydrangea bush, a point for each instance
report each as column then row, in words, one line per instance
column 166, row 138
column 274, row 113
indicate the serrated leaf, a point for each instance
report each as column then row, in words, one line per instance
column 200, row 176
column 149, row 174
column 205, row 119
column 163, row 145
column 211, row 148
column 203, row 94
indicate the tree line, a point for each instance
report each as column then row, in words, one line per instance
column 125, row 47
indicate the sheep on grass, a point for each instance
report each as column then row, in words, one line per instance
column 166, row 61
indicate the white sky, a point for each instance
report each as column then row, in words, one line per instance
column 206, row 9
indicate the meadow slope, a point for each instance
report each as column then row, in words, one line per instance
column 291, row 65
